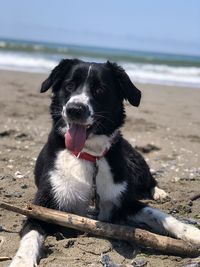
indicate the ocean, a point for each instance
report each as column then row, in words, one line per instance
column 142, row 67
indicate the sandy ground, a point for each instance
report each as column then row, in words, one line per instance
column 168, row 118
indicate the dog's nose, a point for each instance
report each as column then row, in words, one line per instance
column 77, row 111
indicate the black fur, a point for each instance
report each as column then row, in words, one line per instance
column 108, row 86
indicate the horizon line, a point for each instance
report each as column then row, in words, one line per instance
column 98, row 47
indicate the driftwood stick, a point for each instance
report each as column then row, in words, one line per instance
column 141, row 237
column 5, row 258
column 195, row 197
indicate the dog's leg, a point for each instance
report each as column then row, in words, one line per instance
column 158, row 193
column 29, row 250
column 162, row 223
column 32, row 237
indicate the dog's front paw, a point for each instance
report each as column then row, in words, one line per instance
column 19, row 261
column 159, row 194
column 191, row 234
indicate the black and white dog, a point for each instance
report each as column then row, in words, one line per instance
column 88, row 111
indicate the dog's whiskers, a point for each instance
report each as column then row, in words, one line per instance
column 100, row 116
column 56, row 124
column 99, row 125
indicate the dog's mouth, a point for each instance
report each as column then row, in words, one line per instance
column 76, row 136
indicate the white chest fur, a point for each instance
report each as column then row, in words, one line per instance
column 71, row 182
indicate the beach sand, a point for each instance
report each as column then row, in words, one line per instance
column 168, row 119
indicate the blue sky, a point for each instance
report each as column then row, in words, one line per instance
column 151, row 25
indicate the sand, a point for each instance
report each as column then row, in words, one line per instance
column 168, row 119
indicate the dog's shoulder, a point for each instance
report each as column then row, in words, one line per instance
column 123, row 154
column 47, row 156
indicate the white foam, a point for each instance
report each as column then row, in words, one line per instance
column 138, row 72
column 26, row 62
column 163, row 74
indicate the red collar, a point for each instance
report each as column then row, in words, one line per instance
column 92, row 158
column 87, row 156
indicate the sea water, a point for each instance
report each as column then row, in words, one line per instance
column 143, row 67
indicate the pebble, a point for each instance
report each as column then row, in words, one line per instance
column 70, row 243
column 22, row 136
column 18, row 175
column 7, row 176
column 14, row 194
column 176, row 179
column 2, row 228
column 153, row 171
column 139, row 262
column 188, row 178
column 182, row 209
column 24, row 186
column 107, row 262
column 10, row 166
column 158, row 172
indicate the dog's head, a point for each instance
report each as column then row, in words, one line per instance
column 88, row 99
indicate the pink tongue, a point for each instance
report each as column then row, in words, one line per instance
column 75, row 137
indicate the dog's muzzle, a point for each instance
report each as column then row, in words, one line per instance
column 77, row 112
column 79, row 121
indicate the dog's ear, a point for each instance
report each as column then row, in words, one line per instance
column 128, row 89
column 57, row 75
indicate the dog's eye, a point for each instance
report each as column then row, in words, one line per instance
column 100, row 91
column 69, row 87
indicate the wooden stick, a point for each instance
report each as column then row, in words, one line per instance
column 141, row 237
column 5, row 258
column 195, row 197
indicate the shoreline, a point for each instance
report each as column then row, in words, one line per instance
column 136, row 82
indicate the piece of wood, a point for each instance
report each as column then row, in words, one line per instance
column 195, row 197
column 141, row 237
column 5, row 258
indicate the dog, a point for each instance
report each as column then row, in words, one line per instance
column 87, row 110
